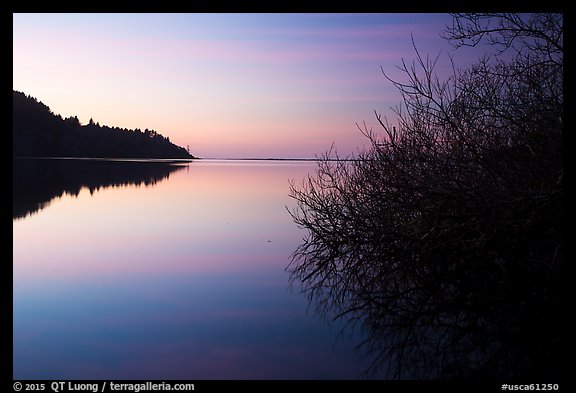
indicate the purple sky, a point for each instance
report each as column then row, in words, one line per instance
column 228, row 85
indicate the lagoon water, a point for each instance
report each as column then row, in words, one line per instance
column 156, row 270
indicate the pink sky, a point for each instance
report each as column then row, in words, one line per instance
column 227, row 85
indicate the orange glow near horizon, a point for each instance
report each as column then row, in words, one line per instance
column 227, row 85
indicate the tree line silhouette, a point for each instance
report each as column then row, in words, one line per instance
column 38, row 132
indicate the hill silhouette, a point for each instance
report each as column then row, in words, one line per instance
column 38, row 132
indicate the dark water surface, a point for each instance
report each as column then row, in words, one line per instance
column 157, row 270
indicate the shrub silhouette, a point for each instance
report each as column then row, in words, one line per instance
column 443, row 241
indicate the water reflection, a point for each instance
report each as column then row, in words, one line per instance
column 183, row 280
column 36, row 182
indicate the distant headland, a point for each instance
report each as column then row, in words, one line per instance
column 38, row 132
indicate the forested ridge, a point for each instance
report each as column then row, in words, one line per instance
column 38, row 132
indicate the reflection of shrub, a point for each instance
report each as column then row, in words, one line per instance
column 444, row 239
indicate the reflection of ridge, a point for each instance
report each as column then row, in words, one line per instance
column 36, row 182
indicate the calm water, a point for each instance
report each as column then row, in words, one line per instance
column 141, row 270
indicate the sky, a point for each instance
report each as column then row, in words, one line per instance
column 252, row 85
